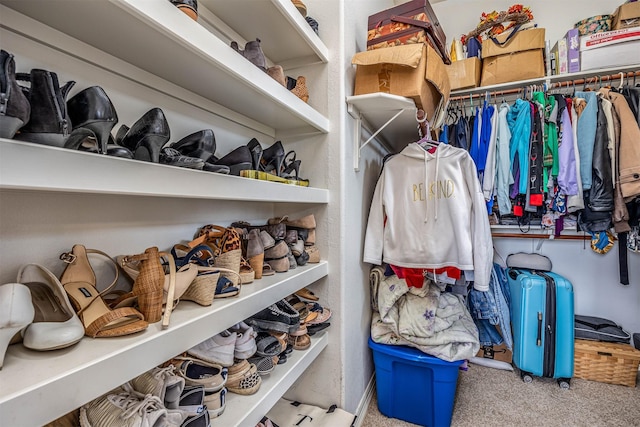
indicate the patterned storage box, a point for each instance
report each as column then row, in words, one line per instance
column 605, row 362
column 595, row 24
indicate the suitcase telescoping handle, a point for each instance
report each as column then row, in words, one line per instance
column 428, row 26
column 539, row 339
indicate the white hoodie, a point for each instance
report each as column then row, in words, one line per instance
column 434, row 211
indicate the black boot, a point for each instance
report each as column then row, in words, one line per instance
column 49, row 123
column 14, row 106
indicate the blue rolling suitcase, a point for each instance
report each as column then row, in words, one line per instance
column 542, row 323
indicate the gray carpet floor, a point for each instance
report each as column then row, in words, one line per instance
column 492, row 397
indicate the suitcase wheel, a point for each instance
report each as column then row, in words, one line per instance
column 564, row 383
column 526, row 377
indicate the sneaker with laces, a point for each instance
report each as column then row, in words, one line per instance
column 218, row 349
column 121, row 408
column 245, row 342
column 163, row 383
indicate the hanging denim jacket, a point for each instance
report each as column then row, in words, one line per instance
column 491, row 308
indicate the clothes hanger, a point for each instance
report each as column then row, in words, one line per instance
column 621, row 81
column 424, row 130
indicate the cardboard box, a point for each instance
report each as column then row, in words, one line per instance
column 608, row 38
column 615, row 55
column 415, row 71
column 567, row 53
column 521, row 57
column 626, row 16
column 573, row 50
column 465, row 73
column 496, row 352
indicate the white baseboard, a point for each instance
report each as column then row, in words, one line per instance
column 363, row 406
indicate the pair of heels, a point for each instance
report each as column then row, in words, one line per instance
column 37, row 307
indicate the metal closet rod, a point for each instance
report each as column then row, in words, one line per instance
column 556, row 85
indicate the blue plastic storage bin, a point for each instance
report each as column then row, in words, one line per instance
column 413, row 386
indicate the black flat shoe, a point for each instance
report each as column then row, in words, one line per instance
column 201, row 144
column 147, row 136
column 238, row 160
column 14, row 109
column 92, row 109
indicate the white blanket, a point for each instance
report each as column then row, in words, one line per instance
column 436, row 323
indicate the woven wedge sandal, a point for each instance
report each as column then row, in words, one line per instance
column 79, row 282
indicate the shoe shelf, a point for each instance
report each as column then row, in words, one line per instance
column 57, row 169
column 247, row 411
column 53, row 383
column 158, row 38
column 286, row 37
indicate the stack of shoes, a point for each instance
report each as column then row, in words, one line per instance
column 321, row 321
column 157, row 397
column 268, row 349
column 305, row 227
column 211, row 377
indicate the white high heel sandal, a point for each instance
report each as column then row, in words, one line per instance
column 16, row 313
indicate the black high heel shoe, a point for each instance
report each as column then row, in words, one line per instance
column 256, row 153
column 147, row 136
column 92, row 110
column 49, row 122
column 14, row 106
column 290, row 166
column 237, row 160
column 201, row 144
column 272, row 158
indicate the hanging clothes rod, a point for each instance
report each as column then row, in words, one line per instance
column 556, row 85
column 497, row 234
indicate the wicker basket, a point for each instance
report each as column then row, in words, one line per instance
column 611, row 363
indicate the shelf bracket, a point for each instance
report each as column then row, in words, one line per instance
column 357, row 147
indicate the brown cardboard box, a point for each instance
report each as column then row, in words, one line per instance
column 465, row 73
column 519, row 58
column 626, row 16
column 415, row 71
column 496, row 352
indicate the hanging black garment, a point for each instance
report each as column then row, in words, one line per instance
column 632, row 95
column 536, row 190
column 601, row 192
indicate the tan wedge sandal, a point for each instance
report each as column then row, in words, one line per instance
column 79, row 282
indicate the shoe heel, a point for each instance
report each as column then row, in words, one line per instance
column 257, row 263
column 16, row 313
column 102, row 130
column 9, row 126
column 150, row 305
column 149, row 148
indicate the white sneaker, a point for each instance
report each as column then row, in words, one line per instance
column 218, row 349
column 163, row 383
column 245, row 342
column 126, row 409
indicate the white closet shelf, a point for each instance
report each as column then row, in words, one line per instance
column 247, row 411
column 38, row 387
column 286, row 38
column 391, row 117
column 157, row 37
column 23, row 166
column 549, row 79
